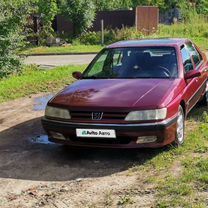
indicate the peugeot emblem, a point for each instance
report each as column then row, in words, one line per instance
column 97, row 115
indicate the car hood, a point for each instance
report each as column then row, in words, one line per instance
column 118, row 93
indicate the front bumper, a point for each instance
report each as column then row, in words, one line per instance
column 126, row 134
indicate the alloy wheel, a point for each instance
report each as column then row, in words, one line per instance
column 180, row 127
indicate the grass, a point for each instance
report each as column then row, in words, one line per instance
column 196, row 29
column 198, row 33
column 73, row 49
column 33, row 80
column 180, row 176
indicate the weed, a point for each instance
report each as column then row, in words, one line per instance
column 125, row 200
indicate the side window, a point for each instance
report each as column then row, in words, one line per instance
column 187, row 63
column 107, row 63
column 98, row 66
column 194, row 53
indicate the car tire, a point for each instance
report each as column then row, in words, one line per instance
column 180, row 128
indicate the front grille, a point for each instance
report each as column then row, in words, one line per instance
column 84, row 115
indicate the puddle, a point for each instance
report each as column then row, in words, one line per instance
column 42, row 139
column 41, row 102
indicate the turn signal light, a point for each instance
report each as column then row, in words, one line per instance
column 146, row 139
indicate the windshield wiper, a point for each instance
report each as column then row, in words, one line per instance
column 90, row 77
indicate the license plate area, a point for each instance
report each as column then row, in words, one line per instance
column 96, row 133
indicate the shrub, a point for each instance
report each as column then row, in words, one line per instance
column 194, row 27
column 13, row 15
column 48, row 9
column 110, row 36
column 90, row 38
column 80, row 12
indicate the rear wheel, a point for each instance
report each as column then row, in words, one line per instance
column 180, row 127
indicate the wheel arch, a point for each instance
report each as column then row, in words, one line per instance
column 183, row 105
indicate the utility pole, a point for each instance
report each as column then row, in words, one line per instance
column 102, row 32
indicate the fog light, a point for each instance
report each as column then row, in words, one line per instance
column 146, row 139
column 57, row 135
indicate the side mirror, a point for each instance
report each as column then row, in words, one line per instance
column 192, row 74
column 77, row 75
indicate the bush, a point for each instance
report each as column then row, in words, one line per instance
column 110, row 36
column 12, row 18
column 90, row 38
column 48, row 9
column 194, row 27
column 80, row 12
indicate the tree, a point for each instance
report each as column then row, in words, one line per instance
column 13, row 16
column 103, row 5
column 159, row 3
column 80, row 12
column 48, row 9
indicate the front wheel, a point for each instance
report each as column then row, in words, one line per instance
column 180, row 127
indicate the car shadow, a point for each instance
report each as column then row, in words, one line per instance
column 196, row 114
column 26, row 154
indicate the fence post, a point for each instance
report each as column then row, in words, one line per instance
column 102, row 32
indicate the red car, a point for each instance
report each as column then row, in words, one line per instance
column 133, row 94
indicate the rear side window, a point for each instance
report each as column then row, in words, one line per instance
column 187, row 63
column 194, row 53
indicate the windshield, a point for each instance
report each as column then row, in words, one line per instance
column 145, row 62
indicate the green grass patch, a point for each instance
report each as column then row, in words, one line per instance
column 198, row 33
column 63, row 49
column 180, row 175
column 184, row 190
column 33, row 80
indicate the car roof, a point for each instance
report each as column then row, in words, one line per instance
column 150, row 42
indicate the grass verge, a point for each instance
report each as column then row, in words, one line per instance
column 180, row 175
column 73, row 49
column 33, row 80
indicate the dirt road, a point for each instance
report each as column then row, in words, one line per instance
column 35, row 173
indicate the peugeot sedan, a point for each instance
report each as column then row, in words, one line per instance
column 133, row 94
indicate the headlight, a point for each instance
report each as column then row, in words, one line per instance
column 57, row 113
column 147, row 115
